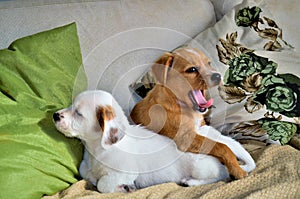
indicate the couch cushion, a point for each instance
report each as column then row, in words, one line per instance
column 118, row 38
column 38, row 76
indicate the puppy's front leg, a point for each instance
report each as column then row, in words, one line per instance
column 200, row 144
column 86, row 169
column 116, row 182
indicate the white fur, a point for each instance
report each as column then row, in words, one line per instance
column 236, row 147
column 139, row 158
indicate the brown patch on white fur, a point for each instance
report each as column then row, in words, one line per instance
column 104, row 113
column 112, row 137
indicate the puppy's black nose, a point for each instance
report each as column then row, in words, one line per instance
column 56, row 116
column 216, row 78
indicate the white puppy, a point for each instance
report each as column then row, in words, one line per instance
column 123, row 157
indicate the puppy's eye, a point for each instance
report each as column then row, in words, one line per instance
column 78, row 113
column 192, row 70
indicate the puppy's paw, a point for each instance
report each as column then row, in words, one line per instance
column 184, row 182
column 239, row 174
column 126, row 188
column 188, row 182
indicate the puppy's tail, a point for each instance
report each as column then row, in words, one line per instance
column 242, row 155
column 235, row 146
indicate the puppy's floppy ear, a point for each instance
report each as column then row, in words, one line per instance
column 161, row 67
column 104, row 113
column 111, row 134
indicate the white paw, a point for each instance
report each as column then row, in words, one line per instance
column 188, row 182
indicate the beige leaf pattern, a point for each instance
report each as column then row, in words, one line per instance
column 231, row 94
column 252, row 106
column 271, row 22
column 230, row 49
column 250, row 128
column 245, row 50
column 252, row 83
column 268, row 33
column 222, row 55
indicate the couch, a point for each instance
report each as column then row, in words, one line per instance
column 52, row 50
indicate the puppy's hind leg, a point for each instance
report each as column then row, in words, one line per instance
column 205, row 170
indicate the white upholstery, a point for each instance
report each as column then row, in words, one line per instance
column 119, row 38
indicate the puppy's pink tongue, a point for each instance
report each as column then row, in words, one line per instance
column 201, row 101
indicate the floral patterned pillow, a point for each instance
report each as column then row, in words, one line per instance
column 254, row 81
column 260, row 98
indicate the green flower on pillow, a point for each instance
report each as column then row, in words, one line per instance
column 278, row 130
column 254, row 78
column 280, row 94
column 264, row 26
column 248, row 16
column 246, row 65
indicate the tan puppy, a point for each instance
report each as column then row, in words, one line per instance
column 175, row 108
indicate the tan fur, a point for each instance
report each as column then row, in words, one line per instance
column 168, row 110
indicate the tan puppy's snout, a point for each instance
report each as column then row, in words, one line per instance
column 57, row 117
column 216, row 78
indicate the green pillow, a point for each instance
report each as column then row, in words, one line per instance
column 39, row 74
